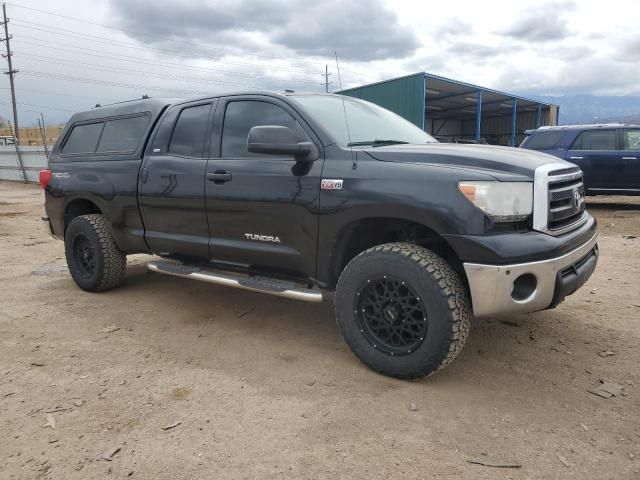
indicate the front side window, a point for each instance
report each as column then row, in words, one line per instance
column 188, row 135
column 596, row 140
column 123, row 135
column 83, row 139
column 631, row 139
column 241, row 116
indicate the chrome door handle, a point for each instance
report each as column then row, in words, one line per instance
column 575, row 158
column 629, row 158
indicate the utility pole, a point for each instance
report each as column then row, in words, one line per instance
column 43, row 135
column 326, row 76
column 11, row 72
column 19, row 156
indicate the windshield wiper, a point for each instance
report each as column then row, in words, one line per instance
column 376, row 143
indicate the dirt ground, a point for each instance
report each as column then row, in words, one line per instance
column 265, row 388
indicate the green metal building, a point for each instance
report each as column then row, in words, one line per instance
column 458, row 111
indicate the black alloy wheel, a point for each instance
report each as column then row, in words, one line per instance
column 392, row 315
column 85, row 255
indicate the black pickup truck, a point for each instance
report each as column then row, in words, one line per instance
column 299, row 195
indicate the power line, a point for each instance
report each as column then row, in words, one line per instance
column 141, row 60
column 107, row 83
column 39, row 106
column 62, row 94
column 165, row 52
column 131, row 32
column 137, row 33
column 105, row 68
column 101, row 68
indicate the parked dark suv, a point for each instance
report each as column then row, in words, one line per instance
column 609, row 154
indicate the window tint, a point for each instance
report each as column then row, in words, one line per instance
column 544, row 140
column 188, row 134
column 242, row 116
column 631, row 139
column 122, row 134
column 83, row 139
column 596, row 140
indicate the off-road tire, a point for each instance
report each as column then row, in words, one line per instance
column 444, row 297
column 110, row 263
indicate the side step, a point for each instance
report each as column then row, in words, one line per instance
column 271, row 286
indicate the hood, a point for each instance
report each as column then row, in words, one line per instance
column 496, row 159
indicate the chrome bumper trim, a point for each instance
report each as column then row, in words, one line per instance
column 491, row 285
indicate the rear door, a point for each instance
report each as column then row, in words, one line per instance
column 262, row 209
column 171, row 185
column 596, row 153
column 630, row 158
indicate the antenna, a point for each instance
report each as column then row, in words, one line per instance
column 354, row 161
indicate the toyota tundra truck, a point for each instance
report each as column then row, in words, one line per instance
column 317, row 196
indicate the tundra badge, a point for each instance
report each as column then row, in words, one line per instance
column 262, row 238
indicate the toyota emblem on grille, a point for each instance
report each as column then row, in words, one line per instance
column 578, row 199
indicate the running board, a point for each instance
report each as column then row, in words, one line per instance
column 271, row 286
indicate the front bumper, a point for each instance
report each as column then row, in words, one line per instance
column 529, row 287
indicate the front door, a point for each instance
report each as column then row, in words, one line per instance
column 596, row 153
column 630, row 158
column 262, row 209
column 171, row 185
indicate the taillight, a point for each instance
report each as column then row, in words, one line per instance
column 45, row 178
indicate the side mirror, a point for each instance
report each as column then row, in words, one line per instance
column 278, row 140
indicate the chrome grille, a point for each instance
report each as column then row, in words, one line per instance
column 559, row 199
column 566, row 200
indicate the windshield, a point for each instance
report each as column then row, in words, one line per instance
column 369, row 124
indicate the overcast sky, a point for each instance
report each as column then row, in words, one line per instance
column 100, row 51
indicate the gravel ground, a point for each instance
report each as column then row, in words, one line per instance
column 190, row 380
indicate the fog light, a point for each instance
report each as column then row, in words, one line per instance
column 524, row 286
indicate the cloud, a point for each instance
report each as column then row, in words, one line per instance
column 453, row 27
column 598, row 76
column 541, row 23
column 358, row 30
column 464, row 48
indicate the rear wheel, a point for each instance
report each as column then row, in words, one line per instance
column 95, row 261
column 402, row 310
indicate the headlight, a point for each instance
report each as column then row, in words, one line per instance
column 501, row 201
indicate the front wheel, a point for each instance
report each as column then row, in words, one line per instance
column 403, row 310
column 95, row 261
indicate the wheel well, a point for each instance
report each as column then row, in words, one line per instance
column 370, row 232
column 78, row 207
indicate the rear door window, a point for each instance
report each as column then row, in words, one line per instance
column 544, row 140
column 123, row 135
column 596, row 140
column 188, row 135
column 83, row 139
column 631, row 139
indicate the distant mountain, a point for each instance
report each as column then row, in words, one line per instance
column 595, row 108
